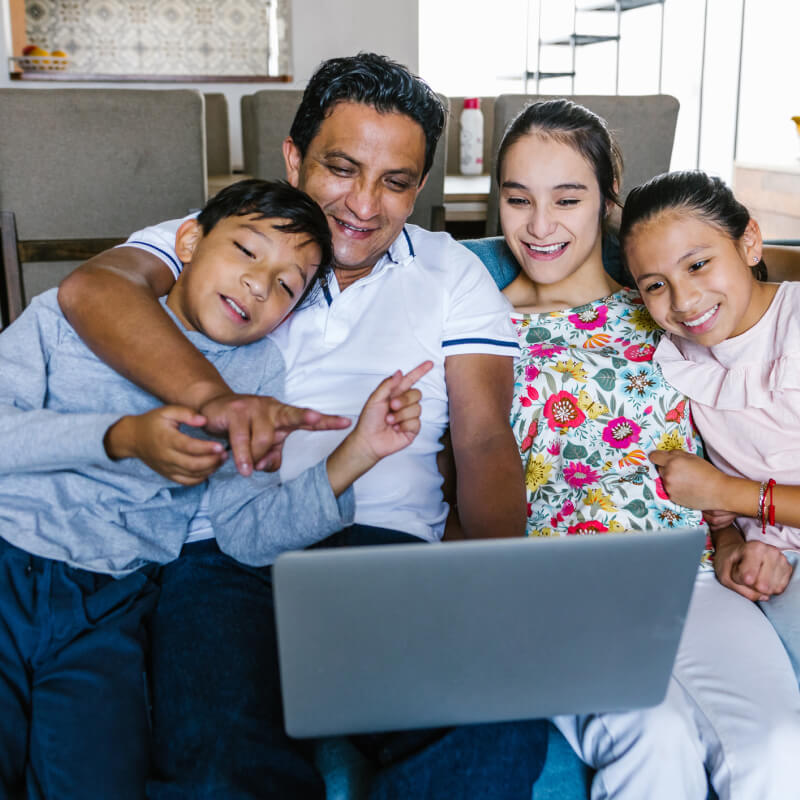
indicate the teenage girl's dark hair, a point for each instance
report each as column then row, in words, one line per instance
column 572, row 124
column 375, row 81
column 689, row 190
column 273, row 200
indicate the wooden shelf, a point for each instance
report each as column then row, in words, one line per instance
column 78, row 77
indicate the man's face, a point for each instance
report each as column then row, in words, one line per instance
column 364, row 169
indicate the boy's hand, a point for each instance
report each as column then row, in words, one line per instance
column 688, row 479
column 154, row 438
column 256, row 427
column 389, row 421
column 756, row 570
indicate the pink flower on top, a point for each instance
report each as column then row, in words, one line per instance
column 621, row 432
column 660, row 489
column 578, row 475
column 545, row 350
column 531, row 372
column 561, row 411
column 567, row 508
column 590, row 319
column 640, row 352
column 554, row 448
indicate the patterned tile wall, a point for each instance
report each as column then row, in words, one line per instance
column 169, row 37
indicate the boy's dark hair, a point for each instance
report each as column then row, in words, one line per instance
column 577, row 126
column 375, row 81
column 274, row 200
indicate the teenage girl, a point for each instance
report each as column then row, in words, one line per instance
column 589, row 405
column 733, row 346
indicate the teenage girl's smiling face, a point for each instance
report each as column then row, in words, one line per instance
column 242, row 279
column 550, row 204
column 696, row 280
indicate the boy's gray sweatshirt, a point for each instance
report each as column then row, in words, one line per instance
column 62, row 497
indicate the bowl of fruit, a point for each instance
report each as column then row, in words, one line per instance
column 37, row 59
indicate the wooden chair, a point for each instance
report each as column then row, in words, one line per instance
column 80, row 169
column 644, row 126
column 13, row 253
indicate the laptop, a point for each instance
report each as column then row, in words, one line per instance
column 394, row 637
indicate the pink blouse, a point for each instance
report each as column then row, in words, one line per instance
column 745, row 397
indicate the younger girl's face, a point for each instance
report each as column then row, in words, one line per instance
column 550, row 205
column 694, row 278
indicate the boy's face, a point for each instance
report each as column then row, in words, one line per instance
column 242, row 279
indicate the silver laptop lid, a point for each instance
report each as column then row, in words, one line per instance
column 392, row 637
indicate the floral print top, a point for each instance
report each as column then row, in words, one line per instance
column 589, row 404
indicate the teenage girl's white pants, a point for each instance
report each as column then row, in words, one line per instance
column 732, row 710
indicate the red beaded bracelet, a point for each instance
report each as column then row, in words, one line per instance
column 766, row 511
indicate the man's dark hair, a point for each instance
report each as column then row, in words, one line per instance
column 271, row 200
column 375, row 81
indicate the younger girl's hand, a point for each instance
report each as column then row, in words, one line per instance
column 688, row 479
column 754, row 569
column 155, row 439
column 717, row 520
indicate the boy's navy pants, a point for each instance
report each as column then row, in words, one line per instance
column 73, row 703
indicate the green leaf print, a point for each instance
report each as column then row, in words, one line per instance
column 619, row 363
column 594, row 459
column 573, row 452
column 537, row 334
column 637, row 508
column 606, row 378
column 648, row 494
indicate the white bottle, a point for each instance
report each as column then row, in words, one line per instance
column 471, row 137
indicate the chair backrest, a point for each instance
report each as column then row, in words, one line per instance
column 218, row 148
column 269, row 119
column 95, row 164
column 429, row 208
column 644, row 126
column 249, row 137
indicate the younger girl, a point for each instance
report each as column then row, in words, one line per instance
column 589, row 405
column 733, row 346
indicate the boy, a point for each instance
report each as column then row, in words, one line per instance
column 85, row 517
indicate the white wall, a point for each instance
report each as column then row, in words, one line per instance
column 320, row 29
column 488, row 40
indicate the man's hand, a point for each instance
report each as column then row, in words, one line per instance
column 256, row 427
column 754, row 569
column 690, row 480
column 155, row 439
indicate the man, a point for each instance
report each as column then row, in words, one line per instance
column 361, row 144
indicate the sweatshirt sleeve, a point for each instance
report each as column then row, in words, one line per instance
column 34, row 438
column 257, row 518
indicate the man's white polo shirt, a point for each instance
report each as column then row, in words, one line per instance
column 427, row 298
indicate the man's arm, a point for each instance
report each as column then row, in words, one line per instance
column 112, row 302
column 490, row 489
